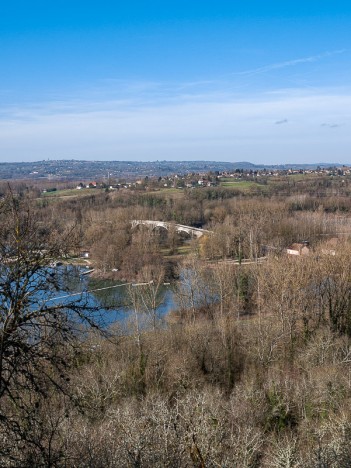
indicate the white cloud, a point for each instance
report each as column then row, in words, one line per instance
column 206, row 126
column 291, row 63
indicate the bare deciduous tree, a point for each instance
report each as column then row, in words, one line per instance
column 37, row 332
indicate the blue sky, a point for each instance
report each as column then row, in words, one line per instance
column 267, row 82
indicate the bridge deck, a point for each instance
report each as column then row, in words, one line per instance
column 198, row 232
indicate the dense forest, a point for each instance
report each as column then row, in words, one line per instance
column 250, row 369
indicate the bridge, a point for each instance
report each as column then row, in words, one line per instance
column 191, row 231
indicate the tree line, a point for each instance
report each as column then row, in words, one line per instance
column 251, row 368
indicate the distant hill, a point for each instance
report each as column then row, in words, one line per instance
column 77, row 169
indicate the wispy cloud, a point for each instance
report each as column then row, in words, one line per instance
column 208, row 128
column 331, row 125
column 290, row 63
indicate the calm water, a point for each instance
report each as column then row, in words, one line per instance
column 110, row 297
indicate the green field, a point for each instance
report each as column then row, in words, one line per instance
column 297, row 177
column 184, row 249
column 171, row 192
column 71, row 193
column 241, row 184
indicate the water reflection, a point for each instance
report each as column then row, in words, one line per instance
column 113, row 300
